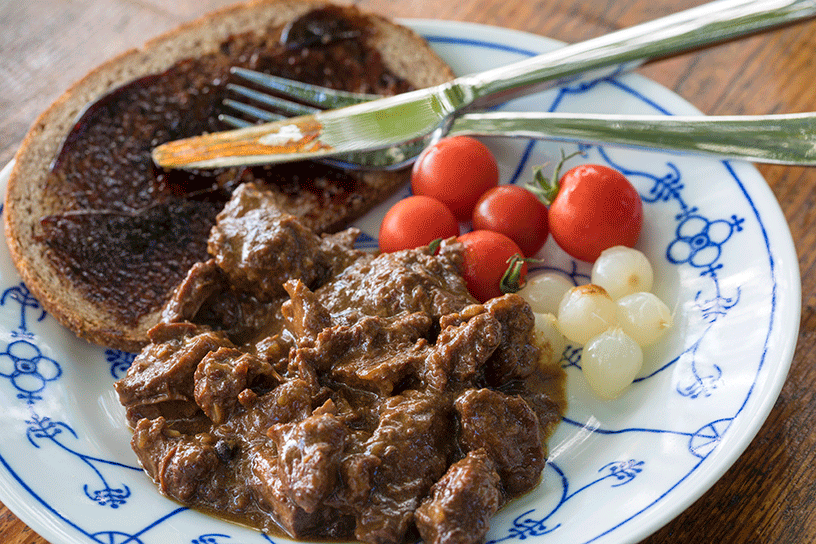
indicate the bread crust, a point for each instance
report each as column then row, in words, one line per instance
column 404, row 53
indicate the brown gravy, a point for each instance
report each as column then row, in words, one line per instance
column 302, row 386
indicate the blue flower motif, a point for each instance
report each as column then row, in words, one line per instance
column 28, row 369
column 699, row 241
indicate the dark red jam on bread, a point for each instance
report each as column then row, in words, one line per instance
column 131, row 231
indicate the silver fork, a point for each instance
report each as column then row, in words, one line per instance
column 779, row 139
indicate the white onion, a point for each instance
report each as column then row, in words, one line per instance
column 644, row 317
column 549, row 339
column 610, row 362
column 622, row 271
column 544, row 291
column 586, row 311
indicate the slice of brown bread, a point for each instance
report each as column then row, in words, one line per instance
column 102, row 312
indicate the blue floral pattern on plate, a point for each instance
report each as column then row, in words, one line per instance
column 631, row 464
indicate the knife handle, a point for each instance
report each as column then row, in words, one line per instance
column 626, row 49
column 775, row 139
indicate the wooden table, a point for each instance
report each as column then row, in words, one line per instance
column 769, row 495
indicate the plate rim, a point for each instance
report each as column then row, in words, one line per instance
column 48, row 529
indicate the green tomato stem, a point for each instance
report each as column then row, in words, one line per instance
column 434, row 245
column 511, row 280
column 546, row 189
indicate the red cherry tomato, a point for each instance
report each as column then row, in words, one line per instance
column 486, row 259
column 596, row 208
column 416, row 221
column 456, row 171
column 515, row 212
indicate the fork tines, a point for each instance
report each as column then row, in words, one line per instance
column 269, row 108
column 269, row 104
column 314, row 95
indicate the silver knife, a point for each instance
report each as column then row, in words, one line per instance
column 426, row 114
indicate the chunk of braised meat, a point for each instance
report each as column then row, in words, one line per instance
column 508, row 430
column 412, row 444
column 305, row 315
column 309, row 455
column 373, row 354
column 338, row 249
column 178, row 463
column 274, row 349
column 260, row 247
column 461, row 350
column 168, row 332
column 159, row 382
column 221, row 376
column 358, row 411
column 459, row 507
column 290, row 401
column 546, row 409
column 388, row 357
column 357, row 470
column 204, row 282
column 267, row 484
column 517, row 355
column 416, row 280
column 206, row 297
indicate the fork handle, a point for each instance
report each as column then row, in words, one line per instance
column 622, row 50
column 777, row 139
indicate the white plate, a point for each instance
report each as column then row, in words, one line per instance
column 618, row 470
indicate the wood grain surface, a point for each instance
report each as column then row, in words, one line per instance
column 769, row 494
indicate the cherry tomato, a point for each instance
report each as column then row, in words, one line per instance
column 515, row 212
column 487, row 257
column 456, row 171
column 416, row 221
column 595, row 208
